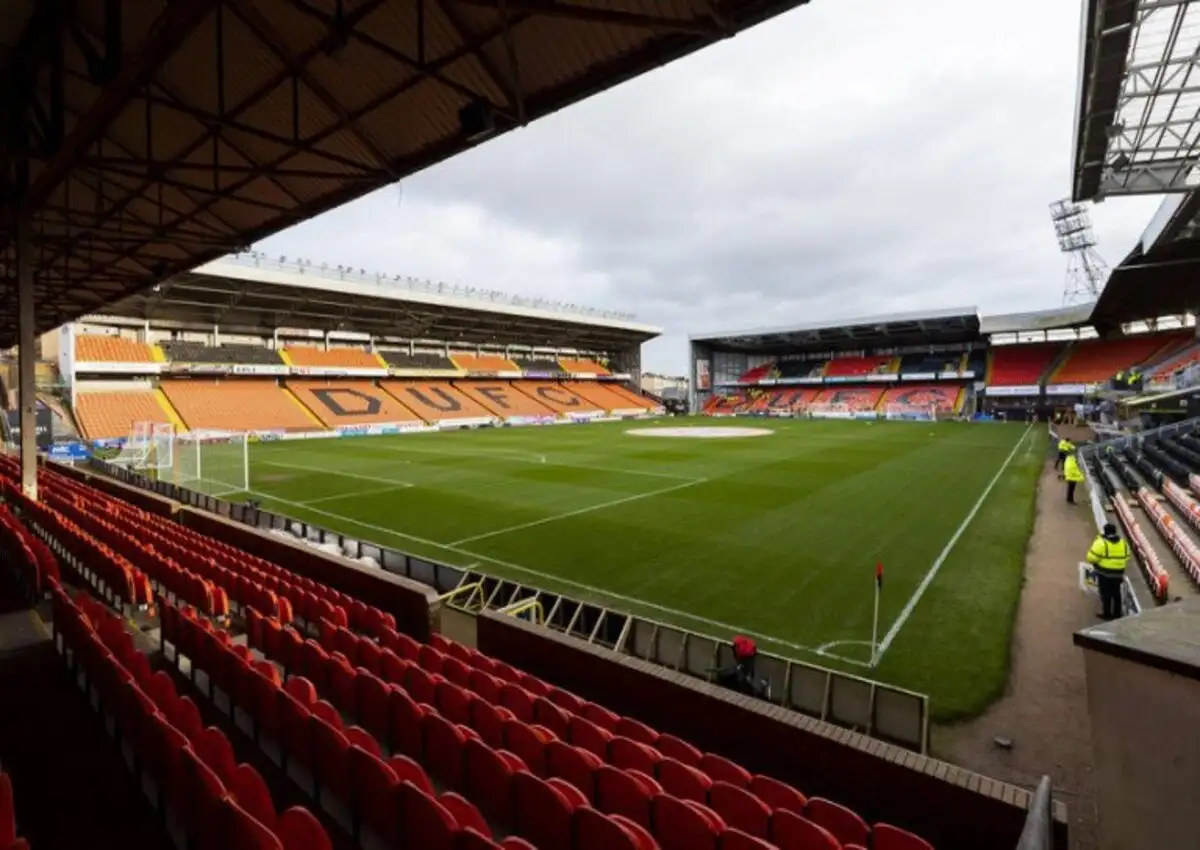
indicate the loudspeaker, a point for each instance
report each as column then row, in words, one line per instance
column 477, row 120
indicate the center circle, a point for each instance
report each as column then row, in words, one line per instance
column 700, row 433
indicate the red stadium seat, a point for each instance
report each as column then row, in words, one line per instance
column 846, row 826
column 740, row 809
column 543, row 813
column 790, row 831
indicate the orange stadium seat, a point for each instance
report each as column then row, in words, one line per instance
column 239, row 406
column 1020, row 365
column 600, row 395
column 106, row 348
column 558, row 397
column 634, row 399
column 947, row 398
column 348, row 358
column 1176, row 362
column 1096, row 360
column 856, row 398
column 110, row 415
column 502, row 399
column 350, row 402
column 853, row 366
column 582, row 367
column 484, row 363
column 435, row 401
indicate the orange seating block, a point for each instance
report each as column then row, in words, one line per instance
column 947, row 398
column 110, row 415
column 1021, row 365
column 237, row 406
column 484, row 363
column 1096, row 360
column 350, row 402
column 558, row 397
column 582, row 367
column 601, row 395
column 350, row 358
column 435, row 401
column 502, row 399
column 104, row 348
column 856, row 398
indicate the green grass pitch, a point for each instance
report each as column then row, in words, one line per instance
column 776, row 536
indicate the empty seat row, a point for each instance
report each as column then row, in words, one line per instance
column 556, row 734
column 34, row 564
column 193, row 777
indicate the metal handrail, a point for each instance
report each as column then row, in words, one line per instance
column 518, row 608
column 1038, row 833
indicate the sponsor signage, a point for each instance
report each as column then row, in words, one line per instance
column 1032, row 389
column 703, row 374
column 43, row 427
column 1066, row 389
column 529, row 420
column 401, row 372
column 340, row 371
column 224, row 369
column 919, row 376
column 887, row 376
column 108, row 368
column 72, row 452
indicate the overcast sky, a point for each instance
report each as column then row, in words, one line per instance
column 850, row 158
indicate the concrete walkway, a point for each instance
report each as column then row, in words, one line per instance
column 1044, row 710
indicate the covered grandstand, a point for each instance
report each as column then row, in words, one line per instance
column 274, row 349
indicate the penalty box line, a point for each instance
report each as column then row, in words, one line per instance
column 628, row 602
column 936, row 567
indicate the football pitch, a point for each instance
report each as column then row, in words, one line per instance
column 775, row 536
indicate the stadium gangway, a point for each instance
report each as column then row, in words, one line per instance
column 877, row 709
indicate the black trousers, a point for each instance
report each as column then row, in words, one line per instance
column 1062, row 458
column 1109, row 585
column 1071, row 492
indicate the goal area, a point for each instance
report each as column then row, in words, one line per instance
column 911, row 413
column 216, row 463
column 830, row 410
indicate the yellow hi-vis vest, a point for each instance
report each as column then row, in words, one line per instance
column 1064, row 445
column 1071, row 470
column 1108, row 555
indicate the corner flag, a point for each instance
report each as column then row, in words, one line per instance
column 875, row 619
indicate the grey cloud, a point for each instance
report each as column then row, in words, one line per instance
column 849, row 158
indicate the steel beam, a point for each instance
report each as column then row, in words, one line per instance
column 27, row 355
column 1155, row 178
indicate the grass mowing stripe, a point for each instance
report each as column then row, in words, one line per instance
column 578, row 512
column 629, row 604
column 327, row 471
column 906, row 612
column 375, row 492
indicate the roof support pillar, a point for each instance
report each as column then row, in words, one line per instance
column 26, row 340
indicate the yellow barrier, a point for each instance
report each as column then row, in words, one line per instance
column 519, row 608
column 453, row 597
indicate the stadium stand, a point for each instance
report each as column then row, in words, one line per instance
column 182, row 351
column 855, row 398
column 947, row 398
column 801, row 368
column 582, row 367
column 861, row 366
column 758, row 373
column 1095, row 360
column 633, row 399
column 931, row 364
column 339, row 403
column 484, row 363
column 421, row 361
column 1164, row 370
column 448, row 740
column 436, row 401
column 110, row 348
column 348, row 358
column 541, row 366
column 1021, row 365
column 501, row 399
column 558, row 397
column 110, row 415
column 234, row 405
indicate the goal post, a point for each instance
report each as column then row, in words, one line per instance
column 216, row 463
column 830, row 410
column 911, row 412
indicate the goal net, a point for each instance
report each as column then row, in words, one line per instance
column 213, row 462
column 830, row 411
column 148, row 449
column 911, row 413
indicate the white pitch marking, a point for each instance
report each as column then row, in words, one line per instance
column 632, row 604
column 327, row 471
column 589, row 509
column 941, row 559
column 514, row 458
column 373, row 492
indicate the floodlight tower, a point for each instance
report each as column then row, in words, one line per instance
column 1086, row 269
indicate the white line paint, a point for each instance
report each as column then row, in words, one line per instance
column 579, row 512
column 945, row 553
column 324, row 470
column 373, row 492
column 628, row 602
column 542, row 461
